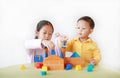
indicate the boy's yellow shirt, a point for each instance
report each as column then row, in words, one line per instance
column 87, row 49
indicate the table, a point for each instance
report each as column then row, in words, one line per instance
column 31, row 72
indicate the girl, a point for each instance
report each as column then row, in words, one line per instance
column 44, row 31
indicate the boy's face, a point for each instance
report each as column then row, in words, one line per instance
column 45, row 32
column 83, row 29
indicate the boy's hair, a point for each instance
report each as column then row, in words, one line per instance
column 89, row 20
column 41, row 24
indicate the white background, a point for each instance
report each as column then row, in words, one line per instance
column 18, row 19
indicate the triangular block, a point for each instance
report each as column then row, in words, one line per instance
column 75, row 54
column 45, row 55
column 52, row 52
column 61, row 55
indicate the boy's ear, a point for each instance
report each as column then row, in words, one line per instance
column 91, row 30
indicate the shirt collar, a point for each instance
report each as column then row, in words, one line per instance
column 88, row 40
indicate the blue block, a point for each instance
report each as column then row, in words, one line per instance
column 36, row 58
column 52, row 52
column 75, row 54
column 61, row 55
column 41, row 59
column 45, row 55
column 63, row 44
column 68, row 67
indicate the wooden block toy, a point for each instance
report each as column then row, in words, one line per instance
column 45, row 55
column 63, row 44
column 75, row 61
column 78, row 67
column 44, row 68
column 90, row 68
column 61, row 55
column 76, row 55
column 38, row 58
column 68, row 67
column 54, row 62
column 63, row 50
column 46, row 50
column 43, row 73
column 38, row 65
column 22, row 67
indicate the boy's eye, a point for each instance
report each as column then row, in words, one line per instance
column 83, row 28
column 50, row 33
column 44, row 33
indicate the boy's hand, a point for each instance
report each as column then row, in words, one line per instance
column 92, row 61
column 49, row 44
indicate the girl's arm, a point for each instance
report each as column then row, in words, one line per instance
column 33, row 44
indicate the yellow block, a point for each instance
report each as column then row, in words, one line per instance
column 22, row 67
column 78, row 67
column 44, row 68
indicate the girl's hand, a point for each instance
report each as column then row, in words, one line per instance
column 92, row 61
column 63, row 38
column 49, row 44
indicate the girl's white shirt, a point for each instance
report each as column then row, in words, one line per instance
column 34, row 47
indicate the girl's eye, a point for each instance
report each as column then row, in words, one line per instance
column 77, row 27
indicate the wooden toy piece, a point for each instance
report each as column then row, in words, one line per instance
column 63, row 44
column 52, row 52
column 43, row 73
column 90, row 68
column 45, row 54
column 75, row 61
column 44, row 68
column 38, row 58
column 54, row 62
column 75, row 54
column 22, row 67
column 38, row 65
column 63, row 51
column 46, row 50
column 78, row 67
column 68, row 67
column 61, row 55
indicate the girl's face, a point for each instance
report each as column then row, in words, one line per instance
column 83, row 29
column 45, row 33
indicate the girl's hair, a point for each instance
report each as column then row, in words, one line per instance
column 41, row 24
column 89, row 20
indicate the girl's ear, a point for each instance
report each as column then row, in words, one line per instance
column 37, row 33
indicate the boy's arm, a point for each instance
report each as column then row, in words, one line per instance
column 96, row 55
column 69, row 45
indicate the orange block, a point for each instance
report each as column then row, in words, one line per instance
column 54, row 62
column 74, row 61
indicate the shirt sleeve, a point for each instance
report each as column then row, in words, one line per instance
column 96, row 54
column 33, row 44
